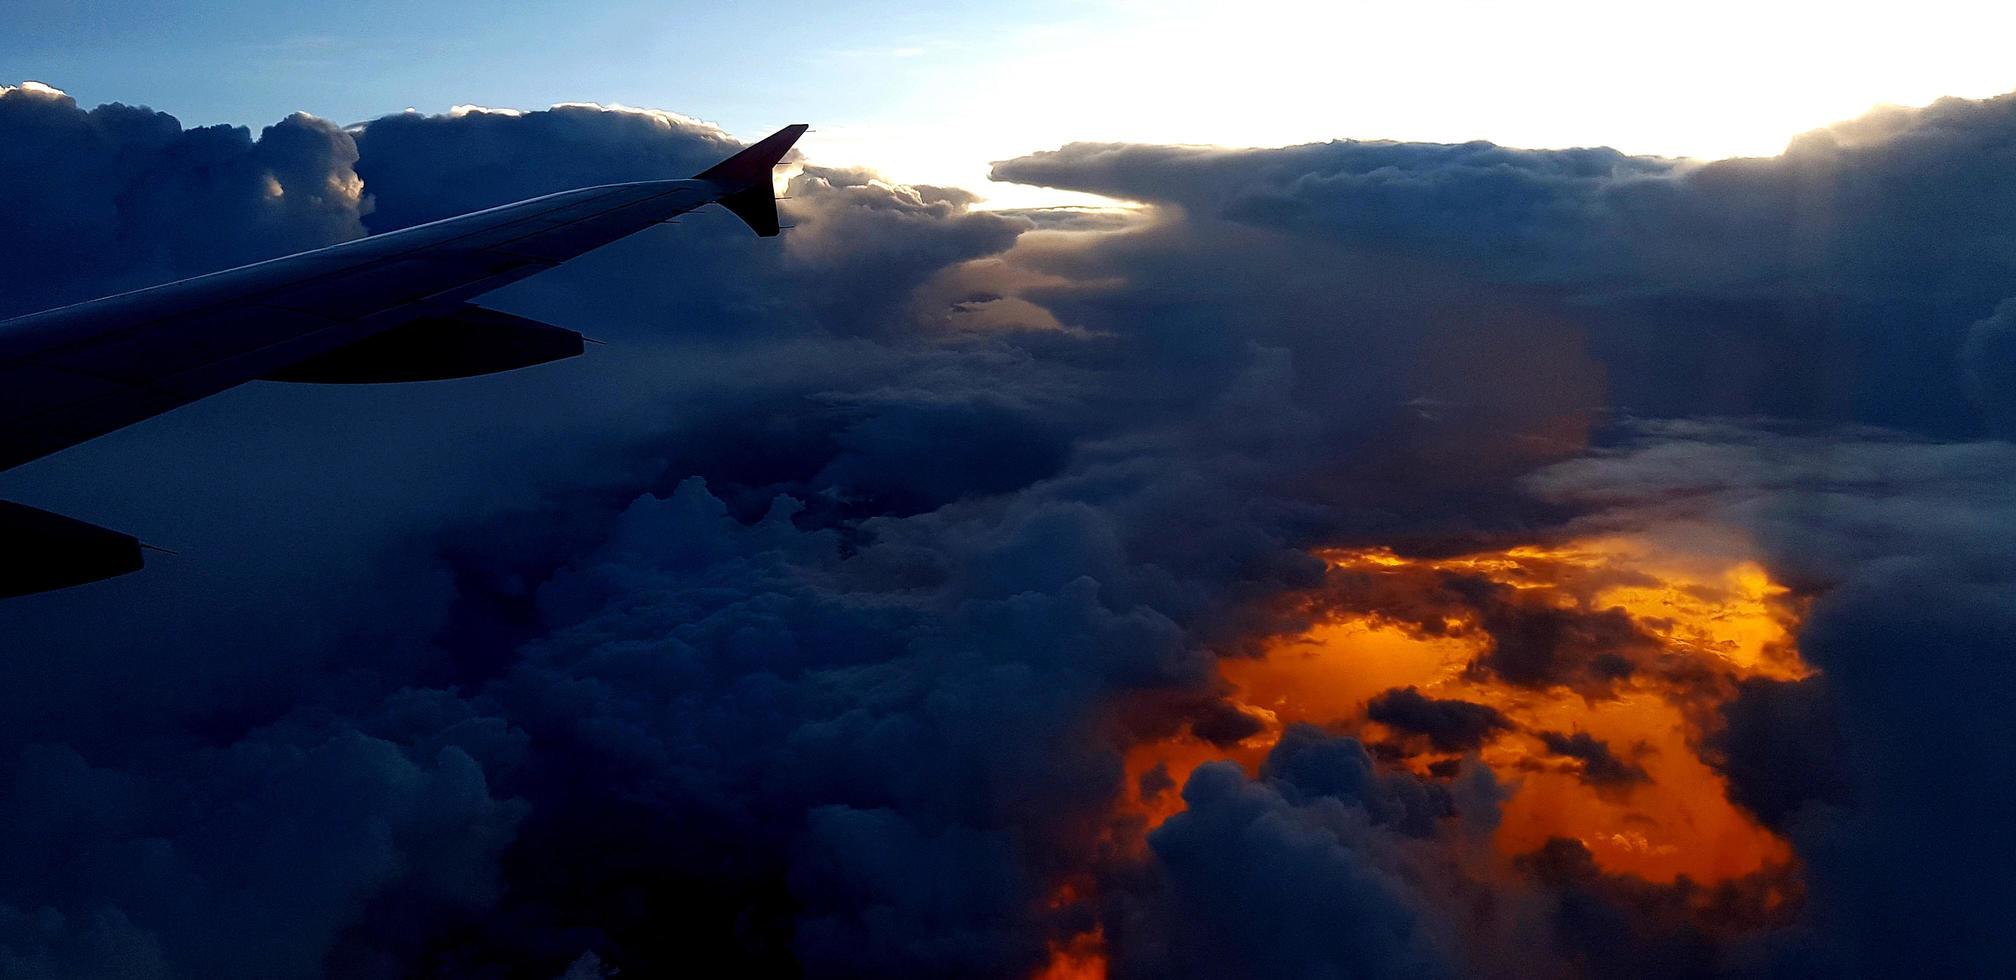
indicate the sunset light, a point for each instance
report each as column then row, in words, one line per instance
column 1655, row 809
column 1710, row 80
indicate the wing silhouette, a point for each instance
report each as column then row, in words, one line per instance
column 387, row 308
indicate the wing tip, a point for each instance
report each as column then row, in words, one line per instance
column 755, row 161
column 746, row 179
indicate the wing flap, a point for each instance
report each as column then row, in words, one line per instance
column 461, row 342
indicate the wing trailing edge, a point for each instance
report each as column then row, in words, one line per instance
column 462, row 341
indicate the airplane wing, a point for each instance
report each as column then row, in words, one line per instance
column 387, row 308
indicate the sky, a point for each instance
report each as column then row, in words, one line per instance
column 1437, row 558
column 934, row 95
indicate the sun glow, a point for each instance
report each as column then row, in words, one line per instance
column 1647, row 804
column 1719, row 78
column 1083, row 957
column 1641, row 637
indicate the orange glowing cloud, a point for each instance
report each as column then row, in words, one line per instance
column 1083, row 957
column 1589, row 671
column 1586, row 673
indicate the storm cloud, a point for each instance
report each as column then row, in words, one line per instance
column 1835, row 282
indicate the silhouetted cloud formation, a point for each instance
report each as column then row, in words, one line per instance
column 1781, row 748
column 1778, row 286
column 1451, row 725
column 1903, row 542
column 1597, row 763
column 806, row 626
column 1246, row 862
column 121, row 197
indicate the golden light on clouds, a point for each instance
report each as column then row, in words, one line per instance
column 1712, row 79
column 1590, row 672
column 1599, row 742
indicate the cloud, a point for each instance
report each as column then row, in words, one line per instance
column 1449, row 724
column 119, row 197
column 1536, row 644
column 1780, row 746
column 1599, row 764
column 1989, row 358
column 414, row 602
column 1258, row 883
column 1749, row 286
column 289, row 832
column 1908, row 632
column 810, row 625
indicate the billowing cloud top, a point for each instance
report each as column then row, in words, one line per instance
column 1778, row 284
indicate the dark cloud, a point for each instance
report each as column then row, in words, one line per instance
column 1155, row 782
column 1556, row 635
column 1223, row 724
column 1754, row 286
column 1535, row 643
column 1989, row 358
column 1292, row 875
column 350, row 569
column 289, row 832
column 1897, row 884
column 1449, row 724
column 1598, row 765
column 1858, row 278
column 423, row 168
column 120, row 197
column 1911, row 635
column 1603, row 924
column 1780, row 746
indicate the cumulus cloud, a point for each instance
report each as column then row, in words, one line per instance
column 1780, row 746
column 1910, row 634
column 119, row 197
column 446, row 574
column 1247, row 864
column 1834, row 282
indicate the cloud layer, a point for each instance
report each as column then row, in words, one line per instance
column 808, row 625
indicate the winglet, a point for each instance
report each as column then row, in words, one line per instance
column 747, row 174
column 754, row 162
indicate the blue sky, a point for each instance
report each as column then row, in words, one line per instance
column 251, row 61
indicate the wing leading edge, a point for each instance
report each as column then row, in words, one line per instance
column 390, row 307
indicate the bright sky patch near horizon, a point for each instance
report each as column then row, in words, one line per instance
column 933, row 94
